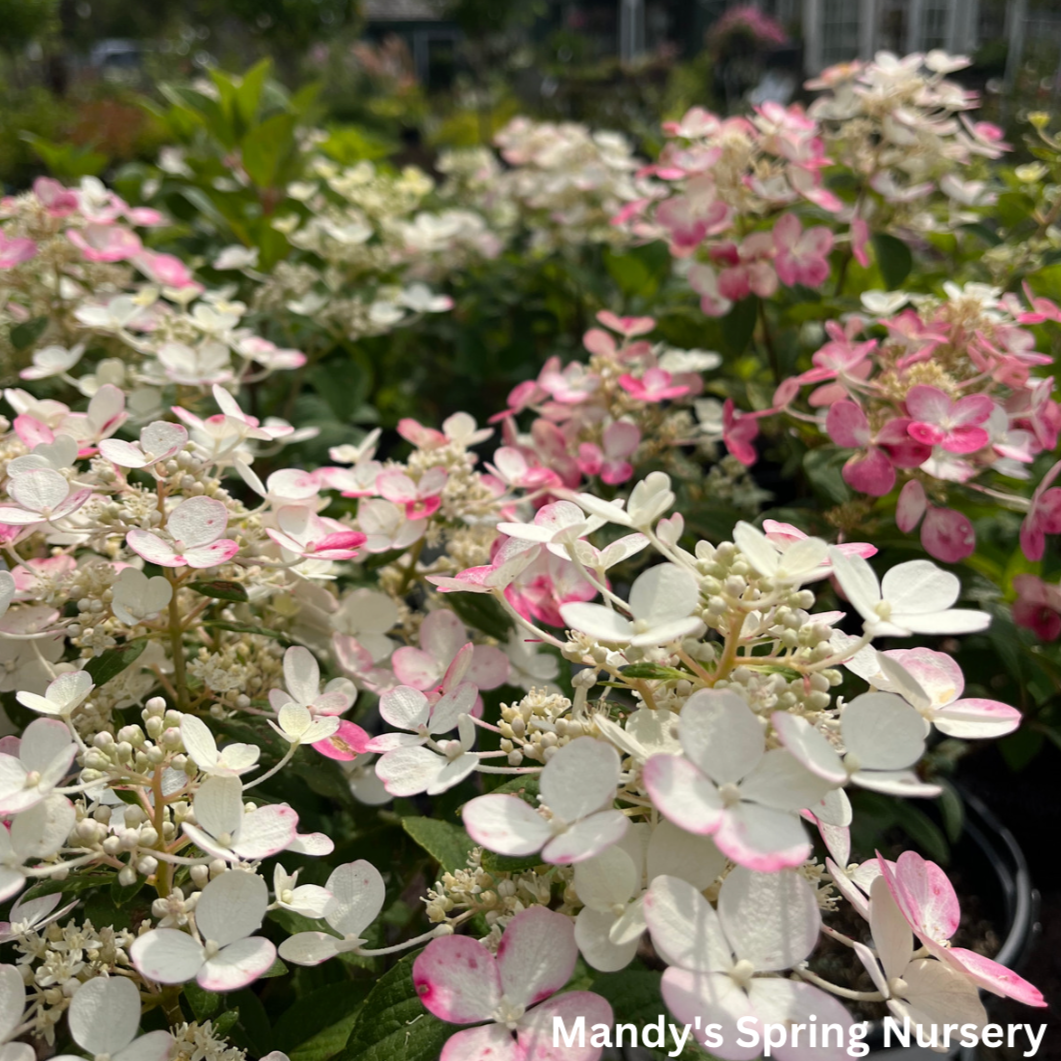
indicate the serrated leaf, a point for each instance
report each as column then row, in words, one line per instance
column 204, row 1003
column 71, row 886
column 111, row 663
column 893, row 259
column 447, row 844
column 221, row 590
column 244, row 628
column 393, row 1025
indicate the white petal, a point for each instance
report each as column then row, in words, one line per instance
column 308, row 948
column 218, row 805
column 405, row 707
column 197, row 521
column 265, row 832
column 891, row 934
column 537, row 955
column 591, row 934
column 882, row 731
column 505, row 824
column 358, row 893
column 858, row 581
column 784, row 1002
column 918, row 587
column 409, row 771
column 586, row 838
column 772, row 919
column 721, row 735
column 607, row 879
column 672, row 852
column 105, row 1014
column 713, row 998
column 580, row 778
column 41, row 830
column 124, row 454
column 758, row 550
column 302, row 675
column 903, row 783
column 952, row 621
column 39, row 490
column 781, row 781
column 809, row 746
column 663, row 594
column 12, row 1000
column 685, row 928
column 154, row 1046
column 198, row 741
column 901, row 681
column 231, row 906
column 598, row 622
column 167, row 956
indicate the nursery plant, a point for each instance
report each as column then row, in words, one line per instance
column 482, row 729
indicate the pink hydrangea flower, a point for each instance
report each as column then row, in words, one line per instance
column 421, row 499
column 802, row 254
column 946, row 534
column 738, row 432
column 1044, row 516
column 608, row 460
column 936, row 420
column 461, row 982
column 194, row 529
column 1037, row 607
column 655, row 385
column 15, row 251
column 105, row 243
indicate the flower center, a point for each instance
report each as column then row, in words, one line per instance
column 211, row 948
column 509, row 1013
column 741, row 973
column 33, row 779
column 730, row 793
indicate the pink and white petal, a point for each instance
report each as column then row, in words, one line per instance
column 976, row 719
column 458, row 979
column 721, row 735
column 761, row 838
column 781, row 781
column 19, row 517
column 936, row 993
column 151, row 547
column 928, row 895
column 586, row 838
column 198, row 521
column 490, row 1042
column 772, row 919
column 536, row 956
column 700, row 999
column 442, row 635
column 46, row 741
column 124, row 454
column 911, row 506
column 787, row 1002
column 265, row 832
column 489, row 668
column 580, row 778
column 447, row 711
column 453, row 773
column 237, row 965
column 308, row 948
column 416, row 668
column 211, row 555
column 847, row 888
column 505, row 824
column 683, row 794
column 809, row 746
column 167, row 956
column 536, row 1034
column 996, row 978
column 902, row 783
column 685, row 928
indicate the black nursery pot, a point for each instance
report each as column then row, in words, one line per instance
column 993, row 862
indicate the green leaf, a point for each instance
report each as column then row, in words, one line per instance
column 244, row 628
column 393, row 1025
column 265, row 148
column 333, row 1009
column 276, row 969
column 635, row 997
column 26, row 334
column 952, row 810
column 204, row 1003
column 823, row 466
column 83, row 882
column 482, row 612
column 111, row 663
column 495, row 863
column 738, row 325
column 653, row 671
column 923, row 831
column 220, row 590
column 447, row 844
column 893, row 258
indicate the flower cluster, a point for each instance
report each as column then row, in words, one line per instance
column 943, row 400
column 78, row 284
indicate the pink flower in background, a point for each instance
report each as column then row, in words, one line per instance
column 946, row 534
column 1044, row 516
column 619, row 441
column 105, row 243
column 1037, row 607
column 870, row 471
column 654, row 386
column 420, row 499
column 738, row 432
column 15, row 251
column 802, row 254
column 194, row 530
